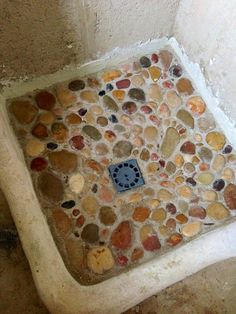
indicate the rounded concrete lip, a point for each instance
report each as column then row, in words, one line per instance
column 58, row 289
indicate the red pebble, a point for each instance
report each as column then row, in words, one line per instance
column 152, row 243
column 38, row 164
column 155, row 120
column 122, row 260
column 154, row 157
column 75, row 212
column 154, row 58
column 80, row 221
column 168, row 84
column 162, row 163
column 77, row 142
column 123, row 84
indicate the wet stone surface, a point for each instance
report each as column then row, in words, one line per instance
column 148, row 110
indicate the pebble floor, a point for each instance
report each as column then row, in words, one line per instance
column 148, row 110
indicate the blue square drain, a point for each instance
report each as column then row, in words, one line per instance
column 126, row 175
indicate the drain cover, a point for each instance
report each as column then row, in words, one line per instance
column 126, row 175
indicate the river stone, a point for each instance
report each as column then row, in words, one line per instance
column 63, row 161
column 119, row 95
column 77, row 142
column 129, row 107
column 90, row 205
column 40, row 130
column 101, row 149
column 125, row 83
column 170, row 167
column 206, row 124
column 107, row 216
column 217, row 211
column 150, row 134
column 155, row 93
column 170, row 141
column 50, row 186
column 65, row 97
column 145, row 62
column 196, row 105
column 89, row 96
column 172, row 99
column 92, row 132
column 197, row 212
column 45, row 100
column 166, row 58
column 137, row 94
column 34, row 147
column 164, row 195
column 73, row 118
column 121, row 237
column 186, row 118
column 62, row 222
column 122, row 149
column 149, row 238
column 155, row 73
column 141, row 214
column 102, row 121
column 159, row 215
column 230, row 196
column 137, row 254
column 59, row 132
column 145, row 155
column 174, row 239
column 191, row 229
column 228, row 174
column 209, row 196
column 205, row 154
column 216, row 140
column 218, row 163
column 90, row 233
column 184, row 86
column 110, row 104
column 188, row 148
column 137, row 80
column 76, row 85
column 100, row 259
column 205, row 178
column 110, row 75
column 76, row 183
column 23, row 111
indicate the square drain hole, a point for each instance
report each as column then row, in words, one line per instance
column 126, row 175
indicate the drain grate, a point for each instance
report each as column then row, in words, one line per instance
column 126, row 175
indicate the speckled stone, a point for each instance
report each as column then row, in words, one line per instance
column 196, row 105
column 121, row 237
column 170, row 141
column 63, row 161
column 23, row 111
column 50, row 186
column 59, row 132
column 205, row 154
column 45, row 100
column 100, row 259
column 170, row 167
column 89, row 96
column 107, row 216
column 110, row 104
column 206, row 124
column 122, row 149
column 92, row 132
column 129, row 107
column 218, row 185
column 186, row 118
column 145, row 154
column 137, row 94
column 137, row 80
column 228, row 174
column 62, row 222
column 184, row 86
column 230, row 196
column 217, row 211
column 77, row 142
column 155, row 93
column 90, row 233
column 90, row 205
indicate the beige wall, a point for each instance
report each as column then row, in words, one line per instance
column 207, row 31
column 40, row 37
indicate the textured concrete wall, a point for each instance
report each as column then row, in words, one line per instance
column 40, row 37
column 206, row 30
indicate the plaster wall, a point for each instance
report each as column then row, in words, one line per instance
column 206, row 30
column 41, row 37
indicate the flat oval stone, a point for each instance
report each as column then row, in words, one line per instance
column 145, row 62
column 166, row 58
column 76, row 85
column 119, row 95
column 110, row 75
column 122, row 149
column 137, row 80
column 137, row 94
column 171, row 208
column 121, row 237
column 172, row 99
column 146, row 109
column 174, row 239
column 110, row 104
column 164, row 195
column 102, row 121
column 73, row 118
column 100, row 259
column 45, row 100
column 217, row 211
column 191, row 229
column 176, row 70
column 107, row 216
column 159, row 215
column 216, row 140
column 149, row 238
column 65, row 97
column 62, row 222
column 228, row 174
column 89, row 96
column 209, row 196
column 184, row 86
column 47, row 118
column 92, row 132
column 90, row 205
column 170, row 142
column 145, row 155
column 50, row 186
column 205, row 154
column 154, row 58
column 227, row 149
column 141, row 214
column 205, row 178
column 185, row 192
column 150, row 134
column 125, row 83
column 76, row 183
column 90, row 233
column 129, row 107
column 77, row 142
column 34, row 147
column 197, row 212
column 59, row 132
column 40, row 130
column 206, row 124
column 186, row 118
column 196, row 105
column 230, row 196
column 170, row 167
column 101, row 149
column 109, row 136
column 63, row 161
column 155, row 73
column 181, row 219
column 38, row 164
column 188, row 148
column 23, row 111
column 155, row 93
column 218, row 163
column 68, row 204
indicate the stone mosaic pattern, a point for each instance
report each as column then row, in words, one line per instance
column 146, row 109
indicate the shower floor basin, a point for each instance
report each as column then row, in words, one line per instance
column 127, row 163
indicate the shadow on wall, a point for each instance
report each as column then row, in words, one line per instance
column 41, row 37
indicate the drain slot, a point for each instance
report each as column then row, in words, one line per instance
column 126, row 175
